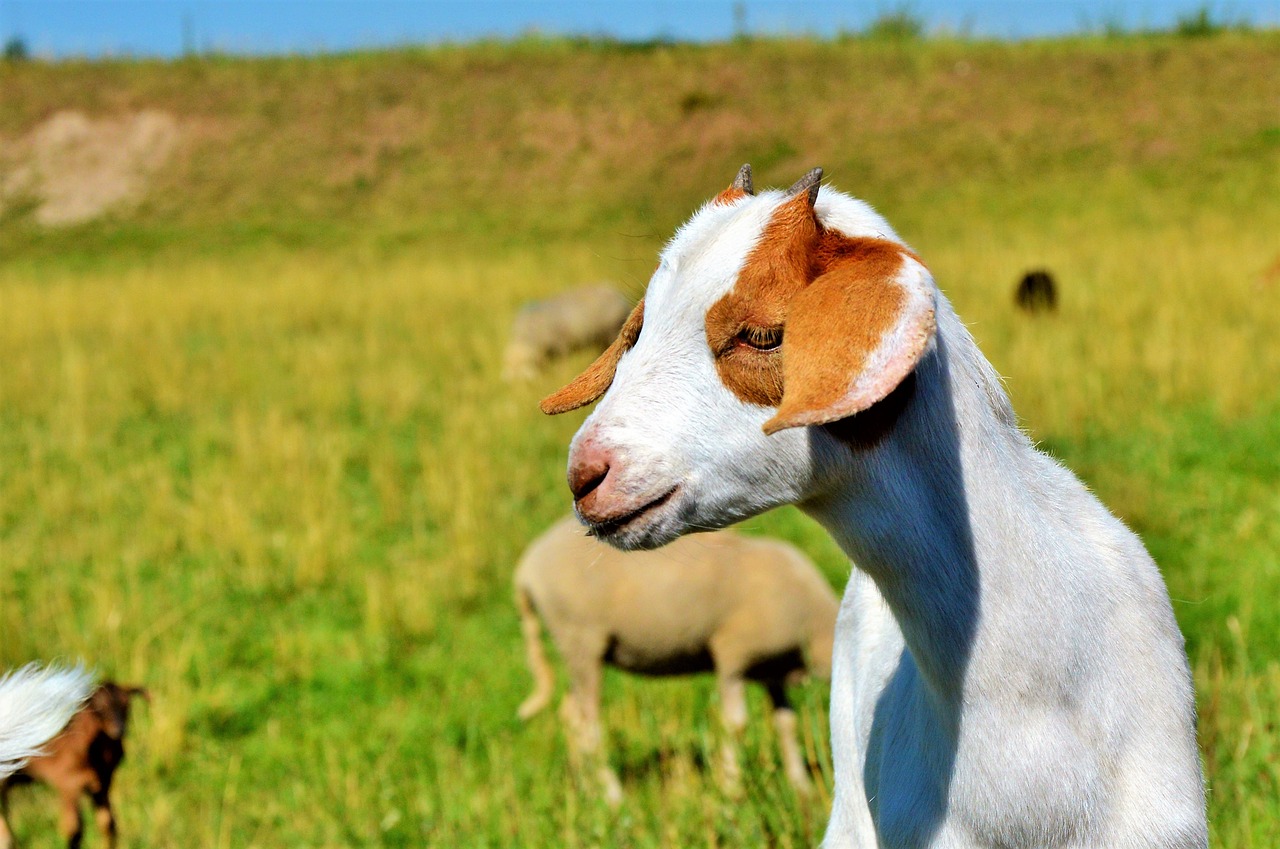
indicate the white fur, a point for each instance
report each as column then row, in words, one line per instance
column 1008, row 671
column 36, row 704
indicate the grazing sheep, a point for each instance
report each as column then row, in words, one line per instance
column 746, row 608
column 1007, row 670
column 1037, row 292
column 586, row 317
column 81, row 762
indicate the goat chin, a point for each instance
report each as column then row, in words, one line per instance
column 35, row 704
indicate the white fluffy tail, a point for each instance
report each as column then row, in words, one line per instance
column 35, row 704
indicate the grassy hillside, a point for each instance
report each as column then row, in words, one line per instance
column 255, row 452
column 551, row 139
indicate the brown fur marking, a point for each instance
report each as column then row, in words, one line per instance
column 729, row 196
column 595, row 380
column 837, row 322
column 830, row 291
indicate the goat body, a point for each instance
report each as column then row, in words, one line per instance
column 81, row 761
column 1007, row 669
column 747, row 608
column 34, row 705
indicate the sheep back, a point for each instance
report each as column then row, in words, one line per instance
column 662, row 610
column 585, row 317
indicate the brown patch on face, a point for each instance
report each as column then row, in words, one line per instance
column 777, row 267
column 836, row 324
column 849, row 302
column 595, row 380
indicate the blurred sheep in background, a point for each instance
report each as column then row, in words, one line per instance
column 745, row 608
column 585, row 317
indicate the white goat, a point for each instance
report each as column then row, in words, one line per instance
column 747, row 608
column 1007, row 671
column 585, row 317
column 35, row 705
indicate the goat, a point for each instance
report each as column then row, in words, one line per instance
column 35, row 704
column 81, row 761
column 1036, row 292
column 586, row 317
column 1007, row 669
column 749, row 609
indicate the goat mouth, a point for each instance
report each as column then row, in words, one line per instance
column 602, row 528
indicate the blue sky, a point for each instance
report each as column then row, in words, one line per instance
column 166, row 27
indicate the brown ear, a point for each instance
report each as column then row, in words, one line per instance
column 593, row 382
column 853, row 334
column 141, row 692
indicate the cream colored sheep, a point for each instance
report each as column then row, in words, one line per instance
column 746, row 608
column 585, row 317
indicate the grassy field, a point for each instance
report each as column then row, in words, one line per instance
column 255, row 451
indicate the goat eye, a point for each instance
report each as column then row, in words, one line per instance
column 760, row 338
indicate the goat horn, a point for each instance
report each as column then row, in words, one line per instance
column 743, row 180
column 808, row 183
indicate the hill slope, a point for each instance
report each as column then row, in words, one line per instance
column 569, row 140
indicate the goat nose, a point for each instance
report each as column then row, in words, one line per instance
column 588, row 470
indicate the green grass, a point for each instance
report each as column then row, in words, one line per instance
column 255, row 452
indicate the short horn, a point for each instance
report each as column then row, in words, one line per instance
column 743, row 180
column 808, row 183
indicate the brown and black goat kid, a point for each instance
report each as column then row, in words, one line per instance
column 81, row 761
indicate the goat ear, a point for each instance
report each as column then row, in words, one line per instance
column 597, row 377
column 141, row 692
column 854, row 334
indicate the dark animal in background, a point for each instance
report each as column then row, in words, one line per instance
column 81, row 761
column 1037, row 292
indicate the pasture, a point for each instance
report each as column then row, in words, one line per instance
column 256, row 452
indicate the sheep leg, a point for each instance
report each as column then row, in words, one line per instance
column 69, row 823
column 105, row 817
column 543, row 675
column 581, row 711
column 784, row 721
column 733, row 715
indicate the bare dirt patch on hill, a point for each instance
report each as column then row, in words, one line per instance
column 74, row 168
